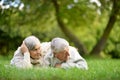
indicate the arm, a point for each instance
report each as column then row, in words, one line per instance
column 21, row 59
column 75, row 60
column 47, row 60
column 80, row 63
column 46, row 47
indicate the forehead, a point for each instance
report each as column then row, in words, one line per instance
column 64, row 49
column 60, row 52
column 37, row 46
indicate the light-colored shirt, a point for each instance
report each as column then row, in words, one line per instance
column 75, row 60
column 24, row 61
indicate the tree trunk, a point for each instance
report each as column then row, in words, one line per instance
column 67, row 32
column 101, row 43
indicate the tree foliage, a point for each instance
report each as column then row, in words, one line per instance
column 85, row 19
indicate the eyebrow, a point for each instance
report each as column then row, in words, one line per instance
column 36, row 48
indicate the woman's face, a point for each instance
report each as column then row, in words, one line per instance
column 36, row 52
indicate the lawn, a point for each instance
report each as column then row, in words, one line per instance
column 99, row 69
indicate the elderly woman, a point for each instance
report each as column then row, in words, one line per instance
column 30, row 53
column 64, row 56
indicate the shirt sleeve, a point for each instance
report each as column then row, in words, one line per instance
column 81, row 64
column 45, row 48
column 20, row 60
column 47, row 61
column 75, row 60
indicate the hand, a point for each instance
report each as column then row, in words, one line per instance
column 58, row 65
column 24, row 48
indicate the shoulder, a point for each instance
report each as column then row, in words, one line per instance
column 45, row 48
column 71, row 48
column 73, row 51
column 74, row 54
column 45, row 43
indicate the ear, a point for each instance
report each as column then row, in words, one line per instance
column 67, row 53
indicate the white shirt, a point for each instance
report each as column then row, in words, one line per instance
column 75, row 60
column 24, row 61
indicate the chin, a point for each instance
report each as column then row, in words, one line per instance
column 37, row 58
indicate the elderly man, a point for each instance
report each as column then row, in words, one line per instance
column 30, row 53
column 64, row 56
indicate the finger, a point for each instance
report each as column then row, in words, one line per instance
column 23, row 43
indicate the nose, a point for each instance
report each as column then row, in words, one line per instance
column 38, row 51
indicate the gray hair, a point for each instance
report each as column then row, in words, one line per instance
column 59, row 44
column 31, row 41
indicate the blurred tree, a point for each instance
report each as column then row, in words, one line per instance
column 81, row 22
column 113, row 18
column 66, row 31
column 15, row 25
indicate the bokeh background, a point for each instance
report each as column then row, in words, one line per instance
column 92, row 26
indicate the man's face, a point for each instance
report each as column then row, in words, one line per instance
column 36, row 52
column 62, row 56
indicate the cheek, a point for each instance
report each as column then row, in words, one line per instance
column 66, row 56
column 32, row 53
column 58, row 56
column 61, row 55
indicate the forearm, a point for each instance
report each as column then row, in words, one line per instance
column 79, row 64
column 68, row 65
column 24, row 62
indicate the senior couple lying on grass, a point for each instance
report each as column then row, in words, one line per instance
column 57, row 53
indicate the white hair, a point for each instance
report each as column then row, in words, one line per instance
column 31, row 41
column 59, row 44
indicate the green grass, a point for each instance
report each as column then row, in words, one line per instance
column 99, row 69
